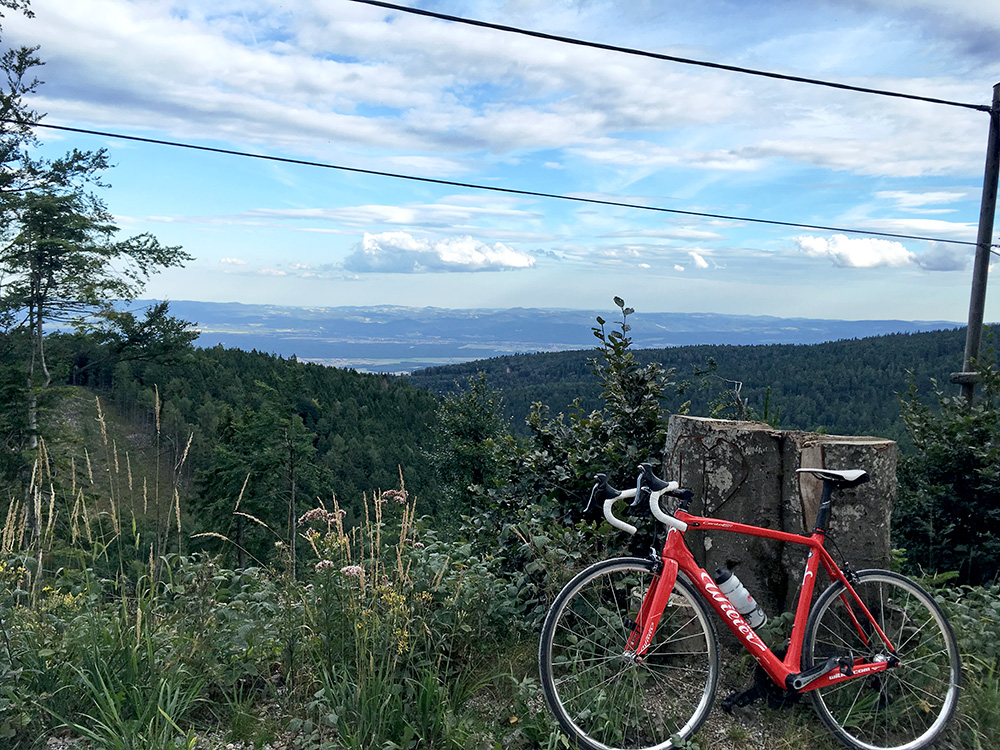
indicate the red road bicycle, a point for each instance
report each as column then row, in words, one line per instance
column 629, row 660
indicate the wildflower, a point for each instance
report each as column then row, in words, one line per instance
column 400, row 496
column 324, row 565
column 418, row 545
column 352, row 571
column 316, row 514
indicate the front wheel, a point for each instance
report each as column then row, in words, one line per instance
column 602, row 695
column 906, row 706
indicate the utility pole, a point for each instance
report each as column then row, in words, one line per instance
column 984, row 241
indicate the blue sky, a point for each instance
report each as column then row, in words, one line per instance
column 349, row 84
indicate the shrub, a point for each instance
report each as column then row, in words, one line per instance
column 948, row 511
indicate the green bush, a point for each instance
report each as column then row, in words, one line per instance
column 974, row 614
column 949, row 488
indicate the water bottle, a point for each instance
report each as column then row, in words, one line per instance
column 737, row 593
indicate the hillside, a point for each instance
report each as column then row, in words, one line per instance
column 265, row 433
column 847, row 387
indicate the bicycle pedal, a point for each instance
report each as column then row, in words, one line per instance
column 846, row 664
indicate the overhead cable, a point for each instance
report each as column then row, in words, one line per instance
column 489, row 188
column 671, row 58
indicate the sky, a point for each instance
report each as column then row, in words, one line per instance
column 348, row 84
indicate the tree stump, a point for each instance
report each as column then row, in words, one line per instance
column 746, row 472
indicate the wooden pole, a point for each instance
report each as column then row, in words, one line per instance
column 984, row 241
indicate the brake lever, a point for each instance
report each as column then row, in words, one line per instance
column 600, row 492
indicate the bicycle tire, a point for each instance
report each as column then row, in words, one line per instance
column 904, row 707
column 602, row 697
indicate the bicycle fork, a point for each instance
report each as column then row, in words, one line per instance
column 653, row 604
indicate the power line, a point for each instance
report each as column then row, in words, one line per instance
column 671, row 58
column 489, row 188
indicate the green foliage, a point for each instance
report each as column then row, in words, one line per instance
column 948, row 515
column 974, row 614
column 398, row 619
column 629, row 428
column 65, row 259
column 473, row 448
column 633, row 394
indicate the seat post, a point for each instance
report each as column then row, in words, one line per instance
column 823, row 514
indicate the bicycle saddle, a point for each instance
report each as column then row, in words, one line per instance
column 841, row 478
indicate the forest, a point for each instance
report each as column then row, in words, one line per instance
column 213, row 548
column 846, row 387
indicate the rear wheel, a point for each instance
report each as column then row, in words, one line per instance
column 602, row 695
column 906, row 706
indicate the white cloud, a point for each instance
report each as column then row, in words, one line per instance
column 679, row 233
column 861, row 252
column 447, row 212
column 699, row 259
column 233, row 261
column 411, row 88
column 945, row 257
column 399, row 252
column 908, row 201
column 647, row 155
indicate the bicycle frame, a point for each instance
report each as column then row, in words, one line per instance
column 787, row 674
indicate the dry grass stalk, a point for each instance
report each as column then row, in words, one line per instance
column 138, row 624
column 187, row 447
column 440, row 575
column 368, row 523
column 52, row 510
column 242, row 490
column 100, row 420
column 206, row 534
column 34, row 472
column 338, row 524
column 377, row 541
column 128, row 468
column 19, row 538
column 156, row 408
column 38, row 507
column 43, row 452
column 90, row 469
column 114, row 512
column 254, row 519
column 10, row 526
column 177, row 510
column 74, row 519
column 86, row 519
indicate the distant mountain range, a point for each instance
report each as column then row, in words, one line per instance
column 402, row 339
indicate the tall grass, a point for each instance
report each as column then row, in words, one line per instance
column 398, row 619
column 112, row 632
column 391, row 636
